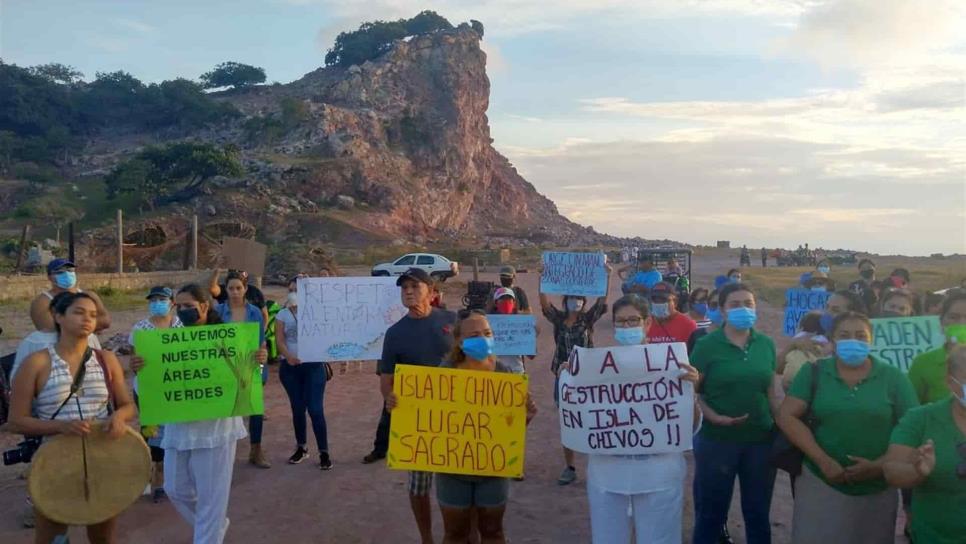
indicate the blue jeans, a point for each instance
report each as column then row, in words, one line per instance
column 255, row 422
column 716, row 464
column 305, row 385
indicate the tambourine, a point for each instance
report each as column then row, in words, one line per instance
column 85, row 481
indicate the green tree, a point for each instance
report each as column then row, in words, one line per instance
column 373, row 39
column 233, row 74
column 172, row 173
column 55, row 72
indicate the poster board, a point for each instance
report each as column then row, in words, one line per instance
column 198, row 373
column 346, row 318
column 246, row 255
column 513, row 334
column 581, row 274
column 626, row 400
column 458, row 421
column 898, row 340
column 798, row 302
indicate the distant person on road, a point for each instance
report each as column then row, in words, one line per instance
column 841, row 495
column 462, row 497
column 199, row 456
column 927, row 454
column 738, row 398
column 62, row 274
column 236, row 309
column 572, row 326
column 508, row 276
column 639, row 493
column 764, row 257
column 864, row 287
column 304, row 383
column 667, row 323
column 424, row 336
column 928, row 371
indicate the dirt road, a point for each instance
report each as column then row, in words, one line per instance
column 357, row 503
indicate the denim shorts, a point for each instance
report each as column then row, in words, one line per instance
column 456, row 491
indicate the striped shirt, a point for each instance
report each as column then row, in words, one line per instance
column 89, row 402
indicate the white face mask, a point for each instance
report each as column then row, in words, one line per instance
column 292, row 300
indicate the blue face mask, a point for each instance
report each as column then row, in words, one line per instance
column 819, row 289
column 478, row 347
column 826, row 323
column 734, row 279
column 159, row 308
column 629, row 336
column 66, row 279
column 660, row 310
column 574, row 305
column 852, row 352
column 700, row 308
column 824, row 269
column 742, row 318
column 714, row 316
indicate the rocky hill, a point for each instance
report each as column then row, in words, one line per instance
column 396, row 149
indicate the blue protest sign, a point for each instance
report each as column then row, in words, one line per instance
column 799, row 302
column 513, row 334
column 580, row 274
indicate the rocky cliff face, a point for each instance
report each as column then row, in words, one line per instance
column 397, row 148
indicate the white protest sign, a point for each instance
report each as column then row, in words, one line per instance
column 626, row 400
column 345, row 319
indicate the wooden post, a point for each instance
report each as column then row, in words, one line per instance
column 476, row 269
column 194, row 242
column 120, row 242
column 70, row 241
column 22, row 248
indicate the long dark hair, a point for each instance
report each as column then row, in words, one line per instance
column 202, row 297
column 63, row 301
column 855, row 302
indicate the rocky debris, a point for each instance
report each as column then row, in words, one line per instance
column 210, row 210
column 345, row 202
column 118, row 344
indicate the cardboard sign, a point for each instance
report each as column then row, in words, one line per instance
column 246, row 255
column 196, row 373
column 581, row 274
column 898, row 340
column 799, row 302
column 458, row 421
column 345, row 319
column 513, row 334
column 626, row 400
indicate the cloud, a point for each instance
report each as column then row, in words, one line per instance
column 857, row 33
column 135, row 25
column 757, row 190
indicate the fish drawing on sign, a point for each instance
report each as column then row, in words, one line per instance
column 350, row 350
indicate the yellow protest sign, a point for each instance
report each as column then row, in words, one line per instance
column 458, row 421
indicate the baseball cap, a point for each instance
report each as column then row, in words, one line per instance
column 417, row 274
column 508, row 271
column 661, row 290
column 57, row 264
column 504, row 292
column 160, row 291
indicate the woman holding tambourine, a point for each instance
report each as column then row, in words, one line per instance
column 67, row 389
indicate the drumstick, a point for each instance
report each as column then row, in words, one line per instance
column 87, row 487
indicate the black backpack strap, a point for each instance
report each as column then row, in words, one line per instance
column 75, row 385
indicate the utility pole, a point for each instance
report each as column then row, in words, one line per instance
column 120, row 241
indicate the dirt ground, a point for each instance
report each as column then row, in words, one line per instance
column 356, row 503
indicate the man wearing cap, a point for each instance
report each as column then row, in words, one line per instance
column 424, row 336
column 63, row 277
column 669, row 325
column 508, row 275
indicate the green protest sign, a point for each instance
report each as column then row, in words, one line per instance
column 196, row 373
column 898, row 340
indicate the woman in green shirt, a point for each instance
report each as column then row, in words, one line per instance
column 928, row 454
column 842, row 496
column 928, row 370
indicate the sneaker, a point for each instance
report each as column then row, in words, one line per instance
column 324, row 462
column 373, row 457
column 568, row 476
column 159, row 495
column 301, row 454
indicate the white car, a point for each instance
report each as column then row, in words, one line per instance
column 437, row 266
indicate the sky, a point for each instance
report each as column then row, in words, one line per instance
column 841, row 123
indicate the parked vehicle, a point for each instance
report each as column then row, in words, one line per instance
column 437, row 266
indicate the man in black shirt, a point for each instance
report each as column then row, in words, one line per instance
column 424, row 337
column 508, row 275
